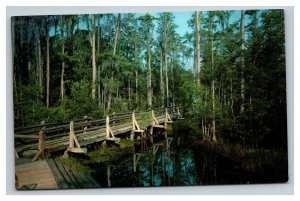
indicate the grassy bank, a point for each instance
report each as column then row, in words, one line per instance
column 111, row 153
column 105, row 154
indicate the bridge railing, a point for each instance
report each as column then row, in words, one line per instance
column 32, row 134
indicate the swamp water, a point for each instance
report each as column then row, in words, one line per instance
column 173, row 162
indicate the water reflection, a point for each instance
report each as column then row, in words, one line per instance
column 171, row 162
column 161, row 163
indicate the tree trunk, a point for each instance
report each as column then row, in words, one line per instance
column 114, row 54
column 136, row 88
column 136, row 74
column 231, row 97
column 198, row 29
column 213, row 99
column 166, row 66
column 162, row 88
column 99, row 66
column 213, row 78
column 40, row 68
column 109, row 100
column 195, row 61
column 48, row 70
column 117, row 34
column 93, row 44
column 172, row 81
column 62, row 82
column 242, row 62
column 149, row 78
column 129, row 91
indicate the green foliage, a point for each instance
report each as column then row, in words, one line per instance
column 121, row 78
column 124, row 144
column 144, row 119
column 120, row 105
column 74, row 164
column 107, row 154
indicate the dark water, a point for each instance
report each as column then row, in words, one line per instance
column 157, row 165
column 168, row 162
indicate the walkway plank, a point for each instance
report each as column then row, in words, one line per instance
column 35, row 175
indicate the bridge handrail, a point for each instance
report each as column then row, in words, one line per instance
column 115, row 118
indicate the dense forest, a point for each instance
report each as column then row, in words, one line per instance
column 69, row 66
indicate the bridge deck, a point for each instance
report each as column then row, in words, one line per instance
column 57, row 138
column 49, row 174
column 35, row 175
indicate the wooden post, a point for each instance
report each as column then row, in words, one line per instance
column 133, row 118
column 42, row 144
column 133, row 127
column 151, row 139
column 177, row 108
column 71, row 139
column 151, row 130
column 154, row 120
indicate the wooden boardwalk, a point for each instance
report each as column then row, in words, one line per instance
column 35, row 175
column 73, row 136
column 49, row 174
column 70, row 179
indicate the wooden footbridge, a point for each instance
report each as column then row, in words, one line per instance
column 75, row 135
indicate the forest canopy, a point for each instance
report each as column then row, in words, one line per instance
column 226, row 72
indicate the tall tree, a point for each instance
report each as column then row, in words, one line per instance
column 92, row 37
column 242, row 62
column 148, row 27
column 162, row 85
column 116, row 38
column 198, row 29
column 48, row 62
column 39, row 61
column 62, row 41
column 99, row 35
column 149, row 72
column 211, row 31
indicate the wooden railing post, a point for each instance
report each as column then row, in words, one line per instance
column 133, row 118
column 74, row 141
column 41, row 148
column 177, row 108
column 153, row 122
column 42, row 144
column 133, row 126
column 71, row 138
column 109, row 132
